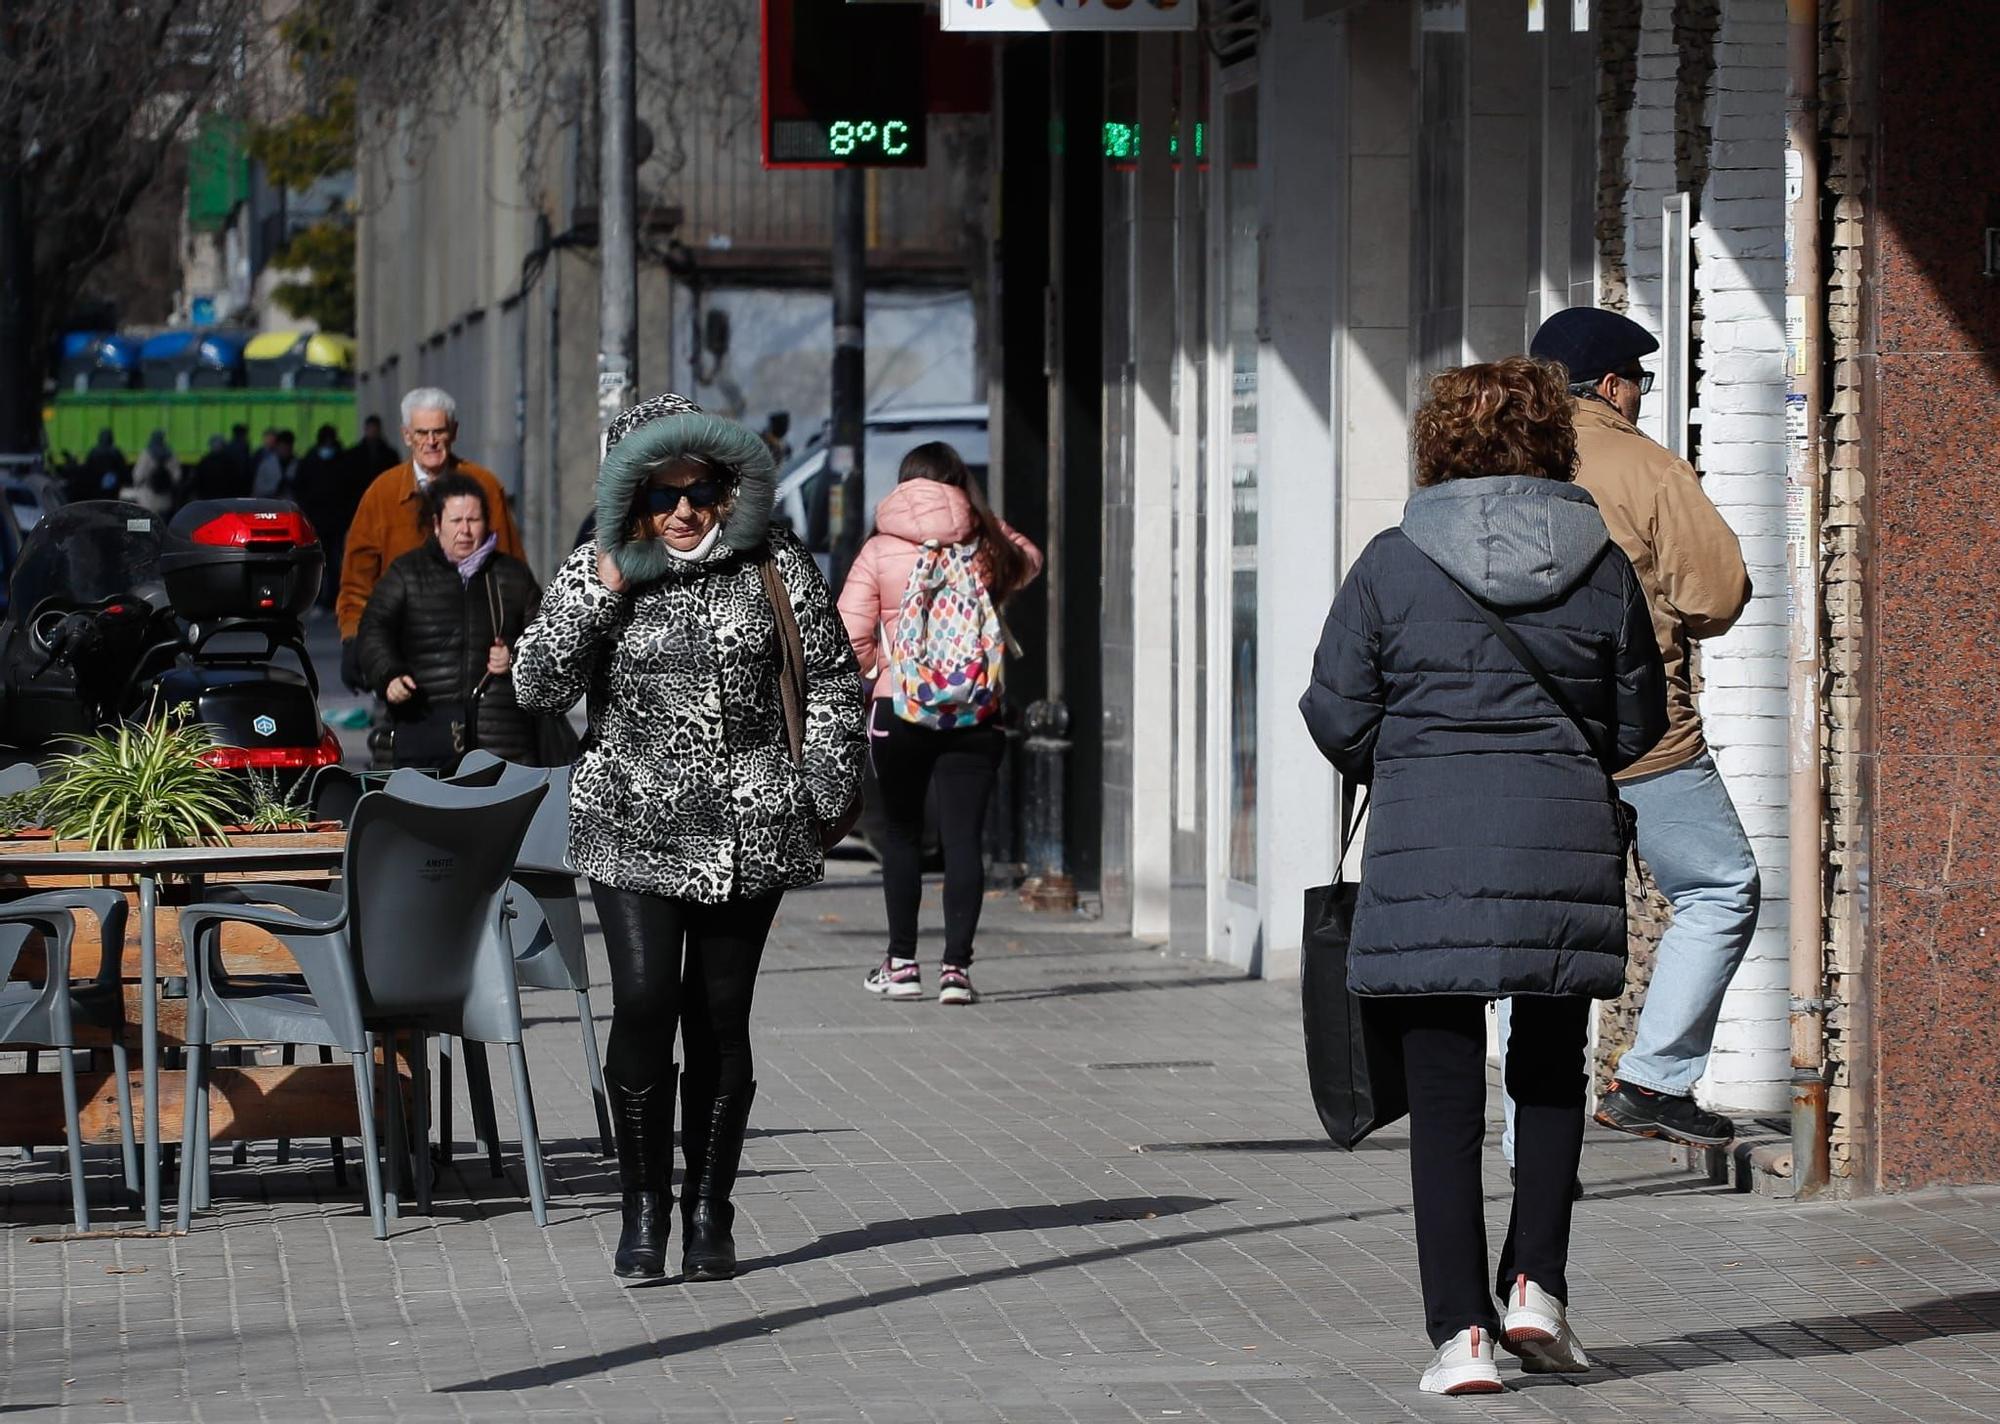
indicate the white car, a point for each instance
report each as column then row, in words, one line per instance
column 805, row 487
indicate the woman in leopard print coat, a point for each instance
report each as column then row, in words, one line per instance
column 686, row 809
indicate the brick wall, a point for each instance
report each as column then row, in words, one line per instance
column 1739, row 275
column 1723, row 139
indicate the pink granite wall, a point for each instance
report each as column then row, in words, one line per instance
column 1936, row 590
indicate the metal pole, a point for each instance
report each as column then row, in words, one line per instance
column 553, row 547
column 850, row 365
column 1049, row 886
column 617, row 205
column 1804, row 407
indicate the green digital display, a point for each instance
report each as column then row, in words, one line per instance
column 857, row 141
column 1121, row 142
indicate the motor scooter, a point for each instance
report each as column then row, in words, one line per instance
column 116, row 616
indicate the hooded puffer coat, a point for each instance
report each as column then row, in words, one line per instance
column 685, row 787
column 913, row 514
column 1493, row 864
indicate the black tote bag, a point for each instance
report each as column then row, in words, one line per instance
column 1354, row 1054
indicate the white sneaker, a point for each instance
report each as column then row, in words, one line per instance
column 1464, row 1364
column 1537, row 1329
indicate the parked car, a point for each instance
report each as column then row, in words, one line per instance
column 805, row 487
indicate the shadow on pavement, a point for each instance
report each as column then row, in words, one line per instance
column 1977, row 1313
column 989, row 1222
column 1107, row 986
column 754, row 1326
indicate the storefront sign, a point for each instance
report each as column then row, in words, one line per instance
column 1031, row 16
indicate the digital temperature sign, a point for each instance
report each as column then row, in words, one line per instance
column 844, row 85
column 844, row 141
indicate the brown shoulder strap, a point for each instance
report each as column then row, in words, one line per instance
column 791, row 655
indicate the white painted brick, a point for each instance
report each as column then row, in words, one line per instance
column 1721, row 274
column 1750, row 1028
column 1767, row 427
column 1765, row 975
column 1763, row 397
column 1755, row 521
column 1720, row 672
column 1740, row 305
column 1750, row 761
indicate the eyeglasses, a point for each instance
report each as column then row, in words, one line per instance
column 704, row 493
column 430, row 437
column 1640, row 378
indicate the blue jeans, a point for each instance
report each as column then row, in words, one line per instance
column 1693, row 842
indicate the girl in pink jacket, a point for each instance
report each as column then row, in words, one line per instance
column 936, row 503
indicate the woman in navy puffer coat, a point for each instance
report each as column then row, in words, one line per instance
column 1494, row 865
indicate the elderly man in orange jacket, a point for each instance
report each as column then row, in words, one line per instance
column 392, row 518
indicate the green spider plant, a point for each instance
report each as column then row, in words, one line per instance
column 140, row 788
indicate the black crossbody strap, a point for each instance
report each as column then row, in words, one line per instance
column 1512, row 642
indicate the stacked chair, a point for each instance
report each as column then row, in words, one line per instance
column 413, row 942
column 47, row 1014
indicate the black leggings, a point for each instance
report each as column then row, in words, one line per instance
column 677, row 961
column 964, row 763
column 1444, row 1064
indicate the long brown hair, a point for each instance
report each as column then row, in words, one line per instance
column 1000, row 558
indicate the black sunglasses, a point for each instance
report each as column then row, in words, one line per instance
column 1639, row 377
column 704, row 493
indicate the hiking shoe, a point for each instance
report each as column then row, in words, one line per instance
column 1645, row 1113
column 896, row 979
column 955, row 986
column 1464, row 1364
column 1575, row 1187
column 1537, row 1329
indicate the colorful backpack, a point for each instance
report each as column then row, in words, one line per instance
column 947, row 663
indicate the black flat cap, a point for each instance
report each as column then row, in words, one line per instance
column 1591, row 342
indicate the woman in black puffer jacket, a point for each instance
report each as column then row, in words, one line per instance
column 428, row 638
column 1495, row 864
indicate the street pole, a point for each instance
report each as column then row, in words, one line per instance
column 617, row 217
column 20, row 414
column 1049, row 885
column 845, row 456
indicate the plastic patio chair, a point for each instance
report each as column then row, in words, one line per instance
column 47, row 1014
column 410, row 943
column 546, row 926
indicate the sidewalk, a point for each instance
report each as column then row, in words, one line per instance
column 1100, row 1195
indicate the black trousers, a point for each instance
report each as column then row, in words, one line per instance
column 1444, row 1056
column 964, row 764
column 674, row 962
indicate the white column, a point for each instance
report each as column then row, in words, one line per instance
column 1374, row 230
column 1301, row 126
column 1740, row 277
column 1152, row 719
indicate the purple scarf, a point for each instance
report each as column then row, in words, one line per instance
column 472, row 563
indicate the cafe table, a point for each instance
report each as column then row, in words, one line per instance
column 147, row 868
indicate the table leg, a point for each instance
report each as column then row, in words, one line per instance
column 149, row 1045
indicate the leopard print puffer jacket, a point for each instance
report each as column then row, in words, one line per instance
column 685, row 787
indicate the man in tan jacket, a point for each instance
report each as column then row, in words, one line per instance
column 1691, row 566
column 392, row 518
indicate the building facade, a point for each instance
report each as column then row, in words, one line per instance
column 1352, row 195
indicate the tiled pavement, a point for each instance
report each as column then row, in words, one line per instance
column 1101, row 1195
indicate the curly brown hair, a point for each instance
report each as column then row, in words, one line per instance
column 1508, row 417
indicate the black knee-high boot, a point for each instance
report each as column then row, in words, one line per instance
column 643, row 1119
column 710, row 1251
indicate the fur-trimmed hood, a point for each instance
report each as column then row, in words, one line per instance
column 659, row 429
